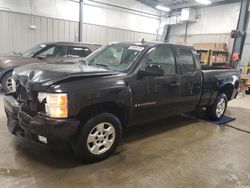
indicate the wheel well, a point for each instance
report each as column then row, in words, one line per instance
column 227, row 90
column 5, row 74
column 119, row 111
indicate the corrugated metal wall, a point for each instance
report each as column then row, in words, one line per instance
column 15, row 34
column 102, row 35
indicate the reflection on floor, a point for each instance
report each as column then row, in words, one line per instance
column 176, row 152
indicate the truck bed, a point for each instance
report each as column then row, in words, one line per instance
column 208, row 67
column 213, row 79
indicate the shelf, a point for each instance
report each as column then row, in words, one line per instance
column 214, row 51
column 218, row 64
column 214, row 64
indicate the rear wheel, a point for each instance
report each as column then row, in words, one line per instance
column 98, row 138
column 218, row 109
column 7, row 82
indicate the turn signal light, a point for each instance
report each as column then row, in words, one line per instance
column 56, row 104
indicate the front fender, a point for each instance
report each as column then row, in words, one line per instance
column 6, row 71
column 121, row 96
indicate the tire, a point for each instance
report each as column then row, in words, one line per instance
column 93, row 143
column 248, row 91
column 218, row 109
column 6, row 84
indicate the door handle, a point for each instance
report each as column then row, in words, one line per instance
column 174, row 84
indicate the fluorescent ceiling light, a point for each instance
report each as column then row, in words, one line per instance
column 204, row 2
column 163, row 8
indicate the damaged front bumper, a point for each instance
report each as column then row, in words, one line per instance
column 38, row 129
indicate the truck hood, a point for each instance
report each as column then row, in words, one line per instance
column 41, row 75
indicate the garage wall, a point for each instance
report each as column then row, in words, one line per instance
column 15, row 34
column 215, row 25
column 57, row 20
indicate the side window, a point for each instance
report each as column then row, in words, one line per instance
column 78, row 51
column 186, row 61
column 164, row 57
column 54, row 51
column 48, row 51
column 60, row 51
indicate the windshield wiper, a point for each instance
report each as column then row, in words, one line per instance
column 103, row 65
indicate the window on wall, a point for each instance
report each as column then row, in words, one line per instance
column 78, row 51
column 163, row 56
column 186, row 61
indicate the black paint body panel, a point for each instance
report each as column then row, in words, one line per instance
column 143, row 98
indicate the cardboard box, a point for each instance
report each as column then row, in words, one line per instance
column 211, row 46
column 220, row 58
column 221, row 46
column 207, row 46
column 203, row 57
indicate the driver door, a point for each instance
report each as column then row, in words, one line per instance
column 156, row 96
column 53, row 53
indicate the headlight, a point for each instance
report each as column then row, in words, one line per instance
column 56, row 105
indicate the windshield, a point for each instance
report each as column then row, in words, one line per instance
column 115, row 56
column 30, row 52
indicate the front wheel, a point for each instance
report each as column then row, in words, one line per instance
column 98, row 138
column 218, row 109
column 7, row 82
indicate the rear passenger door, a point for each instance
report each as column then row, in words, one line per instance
column 191, row 79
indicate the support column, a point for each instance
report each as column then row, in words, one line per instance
column 167, row 33
column 242, row 27
column 80, row 20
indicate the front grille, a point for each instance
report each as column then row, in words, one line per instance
column 28, row 100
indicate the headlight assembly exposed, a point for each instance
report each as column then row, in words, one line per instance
column 13, row 84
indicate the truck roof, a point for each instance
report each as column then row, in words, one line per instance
column 145, row 43
column 69, row 43
column 150, row 44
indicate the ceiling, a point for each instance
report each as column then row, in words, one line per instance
column 176, row 4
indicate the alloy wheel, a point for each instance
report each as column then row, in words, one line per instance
column 220, row 108
column 101, row 138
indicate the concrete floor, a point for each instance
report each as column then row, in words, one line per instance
column 177, row 152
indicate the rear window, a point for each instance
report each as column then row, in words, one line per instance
column 186, row 61
column 74, row 51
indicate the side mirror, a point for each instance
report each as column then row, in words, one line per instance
column 151, row 70
column 41, row 56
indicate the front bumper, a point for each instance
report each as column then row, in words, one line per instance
column 56, row 131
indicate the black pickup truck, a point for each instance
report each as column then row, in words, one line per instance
column 87, row 104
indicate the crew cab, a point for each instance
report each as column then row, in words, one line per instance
column 87, row 104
